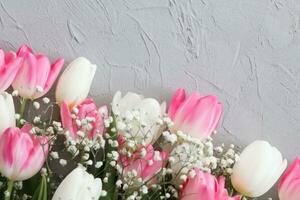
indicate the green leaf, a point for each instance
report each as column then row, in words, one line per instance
column 41, row 191
column 30, row 185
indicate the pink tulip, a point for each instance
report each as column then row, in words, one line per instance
column 9, row 66
column 146, row 166
column 204, row 186
column 85, row 117
column 289, row 185
column 195, row 115
column 21, row 154
column 36, row 75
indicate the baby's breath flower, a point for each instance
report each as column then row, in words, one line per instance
column 36, row 105
column 63, row 162
column 46, row 100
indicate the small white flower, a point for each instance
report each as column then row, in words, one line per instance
column 98, row 164
column 115, row 155
column 15, row 93
column 118, row 183
column 192, row 173
column 80, row 133
column 86, row 156
column 89, row 162
column 43, row 171
column 54, row 155
column 125, row 186
column 17, row 116
column 46, row 100
column 105, row 180
column 183, row 177
column 144, row 189
column 103, row 193
column 143, row 152
column 157, row 156
column 39, row 89
column 150, row 162
column 112, row 163
column 62, row 162
column 36, row 105
column 36, row 119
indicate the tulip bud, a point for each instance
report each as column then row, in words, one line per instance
column 36, row 74
column 195, row 115
column 75, row 82
column 289, row 185
column 204, row 186
column 79, row 185
column 22, row 154
column 7, row 111
column 259, row 167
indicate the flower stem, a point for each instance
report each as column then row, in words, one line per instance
column 10, row 185
column 22, row 109
column 110, row 185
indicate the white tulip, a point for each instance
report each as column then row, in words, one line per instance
column 259, row 167
column 74, row 84
column 79, row 185
column 7, row 111
column 134, row 108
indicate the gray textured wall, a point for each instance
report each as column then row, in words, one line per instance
column 245, row 51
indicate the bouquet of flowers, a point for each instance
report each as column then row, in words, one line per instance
column 136, row 148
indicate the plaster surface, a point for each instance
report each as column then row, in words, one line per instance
column 244, row 51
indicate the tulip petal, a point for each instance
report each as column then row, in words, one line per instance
column 128, row 102
column 8, row 72
column 26, row 77
column 184, row 111
column 23, row 50
column 176, row 101
column 54, row 72
column 66, row 119
column 2, row 58
column 205, row 117
column 289, row 185
column 42, row 70
column 7, row 109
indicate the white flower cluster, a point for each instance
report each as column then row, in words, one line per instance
column 84, row 147
column 226, row 159
column 187, row 155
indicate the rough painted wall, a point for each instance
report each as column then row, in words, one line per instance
column 244, row 51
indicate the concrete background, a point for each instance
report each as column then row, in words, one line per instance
column 244, row 51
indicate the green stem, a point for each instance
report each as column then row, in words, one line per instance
column 110, row 186
column 10, row 185
column 22, row 109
